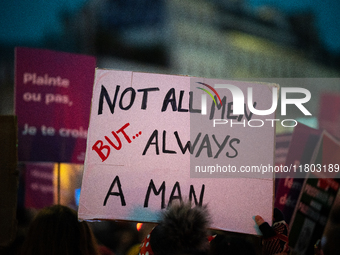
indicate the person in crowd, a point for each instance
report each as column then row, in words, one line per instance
column 56, row 231
column 183, row 230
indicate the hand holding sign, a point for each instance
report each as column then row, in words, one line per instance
column 275, row 238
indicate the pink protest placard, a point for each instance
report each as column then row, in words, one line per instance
column 52, row 101
column 150, row 143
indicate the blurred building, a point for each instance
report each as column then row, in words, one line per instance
column 213, row 39
column 217, row 40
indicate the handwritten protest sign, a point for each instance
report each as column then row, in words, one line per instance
column 52, row 102
column 155, row 138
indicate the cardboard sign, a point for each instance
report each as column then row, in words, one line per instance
column 52, row 102
column 150, row 143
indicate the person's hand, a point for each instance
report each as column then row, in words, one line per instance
column 275, row 237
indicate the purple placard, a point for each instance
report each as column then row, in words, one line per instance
column 39, row 189
column 52, row 102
